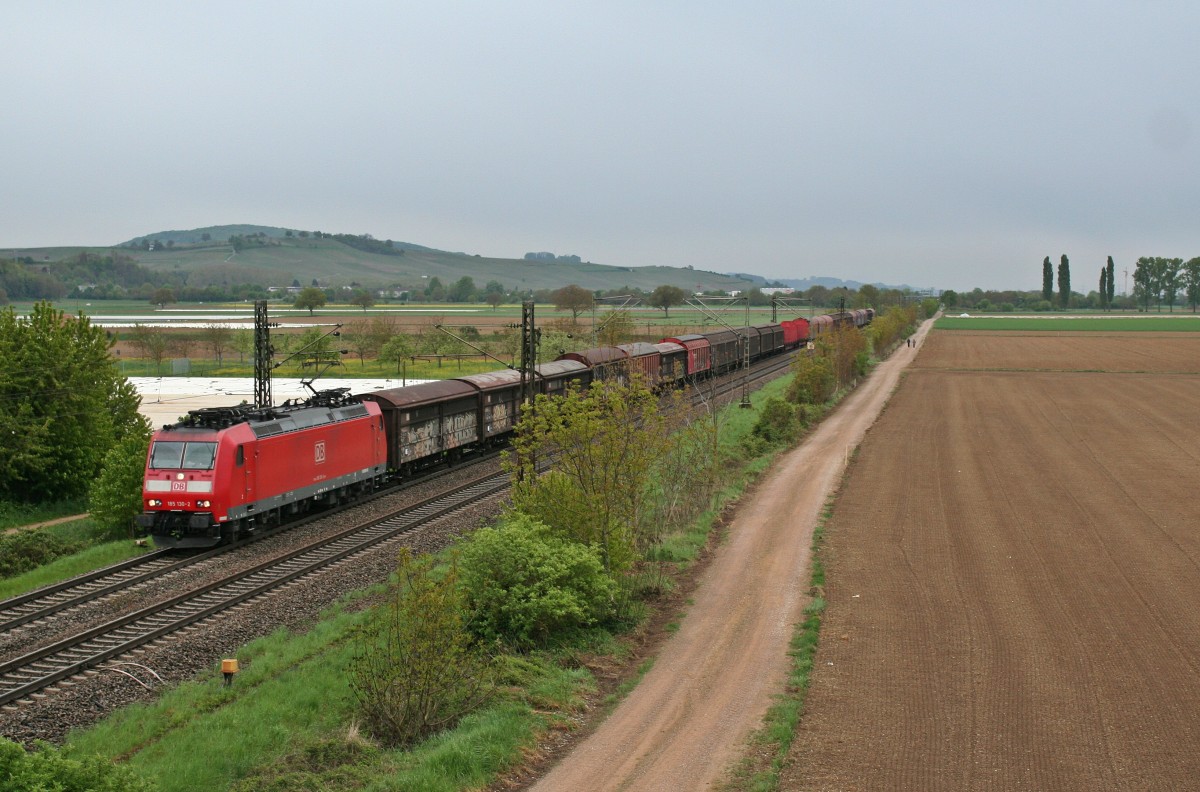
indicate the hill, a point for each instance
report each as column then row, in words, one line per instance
column 274, row 256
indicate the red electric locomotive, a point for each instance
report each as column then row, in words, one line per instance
column 223, row 473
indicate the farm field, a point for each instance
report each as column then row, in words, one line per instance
column 1011, row 576
column 1162, row 353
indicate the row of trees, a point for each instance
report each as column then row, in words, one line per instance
column 1156, row 280
column 1162, row 281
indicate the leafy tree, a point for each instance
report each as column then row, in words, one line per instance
column 310, row 297
column 494, row 299
column 218, row 339
column 813, row 380
column 1064, row 282
column 756, row 297
column 1143, row 282
column 151, row 342
column 524, row 585
column 867, row 297
column 115, row 497
column 573, row 298
column 1103, row 293
column 616, row 327
column 397, row 349
column 950, row 298
column 462, row 291
column 1169, row 279
column 363, row 298
column 778, row 424
column 818, row 295
column 665, row 296
column 599, row 489
column 418, row 669
column 162, row 297
column 1047, row 280
column 1191, row 282
column 435, row 291
column 63, row 404
column 1112, row 289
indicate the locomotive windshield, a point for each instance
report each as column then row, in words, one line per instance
column 188, row 456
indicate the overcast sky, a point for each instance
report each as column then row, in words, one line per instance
column 949, row 145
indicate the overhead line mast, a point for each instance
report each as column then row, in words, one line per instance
column 262, row 356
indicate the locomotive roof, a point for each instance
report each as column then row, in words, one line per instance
column 323, row 407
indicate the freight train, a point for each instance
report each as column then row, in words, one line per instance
column 225, row 473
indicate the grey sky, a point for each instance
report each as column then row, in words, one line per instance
column 935, row 144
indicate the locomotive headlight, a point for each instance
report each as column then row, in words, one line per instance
column 154, row 502
column 203, row 504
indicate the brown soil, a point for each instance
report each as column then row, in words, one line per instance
column 1012, row 575
column 711, row 684
column 1134, row 351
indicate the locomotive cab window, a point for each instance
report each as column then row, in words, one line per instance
column 241, row 456
column 188, row 456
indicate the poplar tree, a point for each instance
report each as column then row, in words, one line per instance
column 1103, row 288
column 1064, row 282
column 1112, row 273
column 1047, row 280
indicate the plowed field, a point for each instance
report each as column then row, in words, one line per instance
column 1013, row 576
column 1134, row 352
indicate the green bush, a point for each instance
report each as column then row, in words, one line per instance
column 418, row 669
column 49, row 770
column 814, row 381
column 115, row 496
column 524, row 585
column 25, row 550
column 778, row 424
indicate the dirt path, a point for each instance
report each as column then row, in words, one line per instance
column 684, row 725
column 34, row 526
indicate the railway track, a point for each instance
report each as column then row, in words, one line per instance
column 36, row 671
column 37, row 606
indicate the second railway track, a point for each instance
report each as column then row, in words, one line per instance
column 38, row 670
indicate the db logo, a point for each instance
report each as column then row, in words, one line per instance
column 319, row 452
column 178, row 486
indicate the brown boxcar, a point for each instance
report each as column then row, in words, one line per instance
column 426, row 423
column 699, row 353
column 605, row 362
column 644, row 360
column 673, row 364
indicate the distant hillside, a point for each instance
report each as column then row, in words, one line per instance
column 222, row 233
column 228, row 256
column 272, row 256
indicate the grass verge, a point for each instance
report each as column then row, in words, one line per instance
column 60, row 569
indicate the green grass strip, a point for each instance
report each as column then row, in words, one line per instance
column 69, row 566
column 1108, row 324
